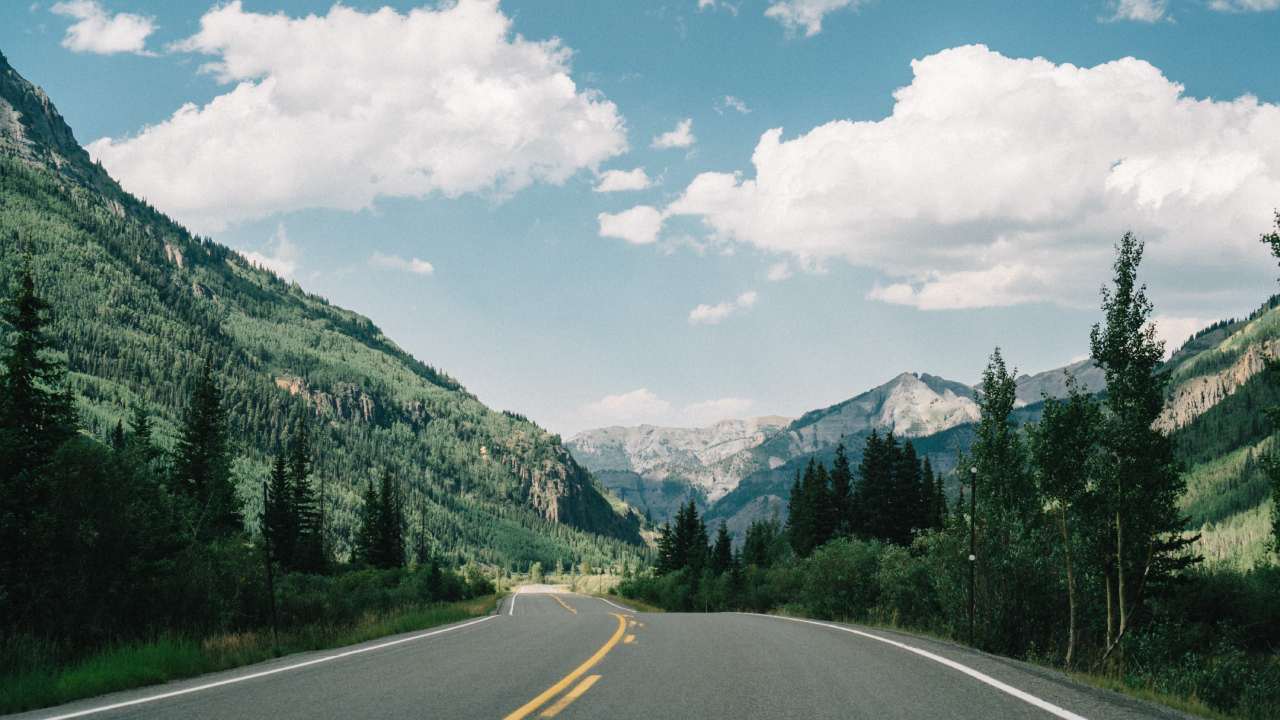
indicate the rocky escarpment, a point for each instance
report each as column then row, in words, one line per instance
column 1190, row 398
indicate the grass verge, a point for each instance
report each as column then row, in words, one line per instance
column 171, row 657
column 638, row 605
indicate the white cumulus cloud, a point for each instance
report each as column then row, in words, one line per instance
column 630, row 407
column 283, row 260
column 679, row 137
column 714, row 314
column 639, row 225
column 98, row 31
column 622, row 180
column 997, row 181
column 1176, row 330
column 806, row 15
column 709, row 412
column 395, row 262
column 336, row 110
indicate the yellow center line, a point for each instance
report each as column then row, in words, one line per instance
column 570, row 696
column 564, row 604
column 528, row 708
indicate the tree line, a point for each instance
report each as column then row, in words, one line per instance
column 113, row 538
column 1065, row 540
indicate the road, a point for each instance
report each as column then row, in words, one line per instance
column 552, row 654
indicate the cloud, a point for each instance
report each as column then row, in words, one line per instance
column 622, row 180
column 680, row 137
column 98, row 31
column 395, row 262
column 779, row 271
column 807, row 14
column 1174, row 331
column 1148, row 11
column 709, row 412
column 729, row 102
column 631, row 407
column 283, row 262
column 714, row 314
column 1244, row 5
column 717, row 4
column 997, row 181
column 337, row 110
column 639, row 225
column 642, row 406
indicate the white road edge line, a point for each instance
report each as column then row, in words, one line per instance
column 624, row 609
column 511, row 609
column 979, row 676
column 264, row 673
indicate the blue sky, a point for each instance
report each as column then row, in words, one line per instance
column 762, row 273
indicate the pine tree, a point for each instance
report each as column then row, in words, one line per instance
column 280, row 521
column 908, row 495
column 309, row 550
column 391, row 530
column 37, row 417
column 1141, row 482
column 722, row 553
column 842, row 493
column 202, row 462
column 666, row 561
column 368, row 536
column 759, row 546
column 117, row 436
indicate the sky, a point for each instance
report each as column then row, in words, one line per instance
column 680, row 211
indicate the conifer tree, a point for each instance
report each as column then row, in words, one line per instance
column 722, row 559
column 278, row 516
column 392, row 526
column 309, row 552
column 841, row 493
column 759, row 546
column 908, row 495
column 36, row 418
column 202, row 462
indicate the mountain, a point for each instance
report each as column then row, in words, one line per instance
column 140, row 304
column 656, row 469
column 1032, row 389
column 660, row 468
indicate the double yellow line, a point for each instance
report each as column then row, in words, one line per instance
column 532, row 706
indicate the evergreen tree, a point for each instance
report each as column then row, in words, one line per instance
column 799, row 520
column 908, row 494
column 202, row 462
column 279, row 519
column 309, row 550
column 760, row 545
column 391, row 531
column 368, row 536
column 722, row 558
column 841, row 493
column 37, row 417
column 117, row 436
column 1141, row 482
column 666, row 560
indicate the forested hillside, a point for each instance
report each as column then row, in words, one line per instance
column 139, row 305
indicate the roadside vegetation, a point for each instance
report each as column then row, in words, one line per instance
column 125, row 564
column 1075, row 551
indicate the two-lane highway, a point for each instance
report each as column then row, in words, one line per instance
column 553, row 654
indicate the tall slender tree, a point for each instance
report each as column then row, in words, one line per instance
column 841, row 493
column 1141, row 480
column 722, row 559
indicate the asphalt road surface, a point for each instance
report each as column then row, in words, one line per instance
column 547, row 654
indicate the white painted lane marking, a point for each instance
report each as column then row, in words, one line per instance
column 264, row 673
column 979, row 676
column 624, row 609
column 511, row 610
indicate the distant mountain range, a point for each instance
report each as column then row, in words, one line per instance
column 1213, row 410
column 139, row 304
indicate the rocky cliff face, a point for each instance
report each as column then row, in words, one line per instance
column 1192, row 397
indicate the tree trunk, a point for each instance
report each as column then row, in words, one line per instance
column 1071, row 587
column 1120, row 589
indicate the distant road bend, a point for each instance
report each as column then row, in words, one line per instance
column 556, row 654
